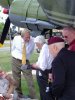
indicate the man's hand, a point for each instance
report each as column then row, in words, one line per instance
column 34, row 66
column 7, row 96
column 2, row 98
column 24, row 67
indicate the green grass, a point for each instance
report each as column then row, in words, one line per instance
column 5, row 64
column 5, row 61
column 34, row 57
column 25, row 87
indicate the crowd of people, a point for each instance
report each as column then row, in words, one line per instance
column 55, row 67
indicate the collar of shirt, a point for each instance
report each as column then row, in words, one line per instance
column 72, row 46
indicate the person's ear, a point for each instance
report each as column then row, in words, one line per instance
column 55, row 48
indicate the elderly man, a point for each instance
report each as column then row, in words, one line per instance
column 44, row 66
column 63, row 70
column 17, row 45
column 69, row 36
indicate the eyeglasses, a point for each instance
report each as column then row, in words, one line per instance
column 65, row 37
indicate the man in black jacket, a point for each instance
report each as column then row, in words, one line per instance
column 63, row 70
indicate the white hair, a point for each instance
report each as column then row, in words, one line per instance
column 40, row 39
column 59, row 46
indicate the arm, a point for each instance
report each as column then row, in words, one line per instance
column 29, row 49
column 42, row 62
column 13, row 44
column 11, row 87
column 35, row 66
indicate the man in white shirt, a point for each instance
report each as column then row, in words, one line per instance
column 17, row 46
column 44, row 65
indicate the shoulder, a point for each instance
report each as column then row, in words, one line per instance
column 45, row 47
column 63, row 52
column 17, row 37
column 10, row 79
column 44, row 51
column 60, row 57
column 31, row 40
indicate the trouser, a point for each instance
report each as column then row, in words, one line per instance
column 16, row 71
column 43, row 86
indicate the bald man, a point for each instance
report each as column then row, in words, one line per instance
column 63, row 70
column 69, row 36
column 17, row 44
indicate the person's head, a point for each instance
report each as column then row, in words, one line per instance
column 55, row 44
column 39, row 41
column 25, row 34
column 2, row 73
column 68, row 34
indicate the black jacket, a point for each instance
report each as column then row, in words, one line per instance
column 63, row 69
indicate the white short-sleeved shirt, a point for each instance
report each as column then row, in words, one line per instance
column 4, row 85
column 17, row 46
column 45, row 58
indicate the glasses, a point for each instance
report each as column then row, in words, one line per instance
column 65, row 37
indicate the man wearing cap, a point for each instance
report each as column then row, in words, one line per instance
column 63, row 70
column 69, row 36
column 17, row 45
column 43, row 65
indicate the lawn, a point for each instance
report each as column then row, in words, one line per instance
column 5, row 60
column 5, row 64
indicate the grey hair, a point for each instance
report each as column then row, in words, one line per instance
column 69, row 28
column 24, row 31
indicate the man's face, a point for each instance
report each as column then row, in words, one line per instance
column 67, row 35
column 38, row 45
column 54, row 49
column 26, row 37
